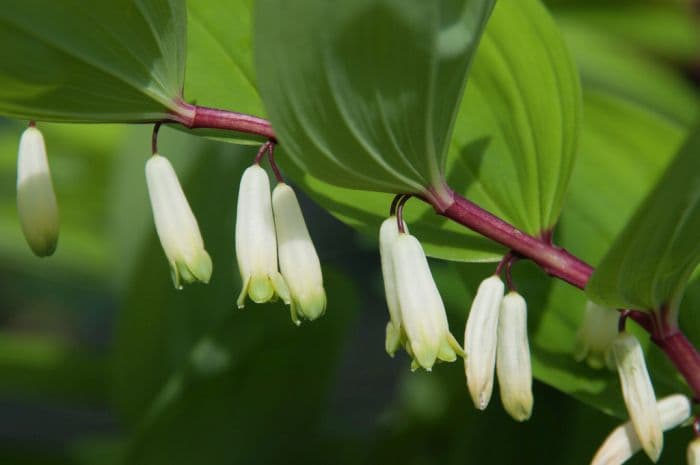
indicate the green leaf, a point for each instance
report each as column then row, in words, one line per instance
column 605, row 191
column 668, row 29
column 513, row 146
column 624, row 151
column 652, row 259
column 611, row 65
column 220, row 71
column 121, row 60
column 352, row 103
column 517, row 132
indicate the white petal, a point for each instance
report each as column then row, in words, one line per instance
column 513, row 358
column 36, row 200
column 175, row 223
column 256, row 242
column 298, row 259
column 480, row 338
column 422, row 310
column 388, row 233
column 622, row 443
column 638, row 393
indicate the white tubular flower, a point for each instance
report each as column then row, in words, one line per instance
column 423, row 316
column 694, row 452
column 623, row 442
column 480, row 336
column 176, row 225
column 299, row 262
column 256, row 243
column 388, row 233
column 596, row 335
column 638, row 394
column 36, row 200
column 513, row 358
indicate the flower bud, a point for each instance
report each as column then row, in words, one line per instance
column 256, row 242
column 176, row 225
column 423, row 316
column 299, row 262
column 36, row 200
column 596, row 335
column 388, row 233
column 638, row 394
column 480, row 337
column 623, row 442
column 694, row 452
column 513, row 358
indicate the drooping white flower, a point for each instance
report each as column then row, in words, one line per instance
column 596, row 335
column 694, row 452
column 298, row 259
column 623, row 442
column 513, row 358
column 176, row 225
column 388, row 233
column 256, row 241
column 36, row 200
column 423, row 316
column 480, row 336
column 638, row 393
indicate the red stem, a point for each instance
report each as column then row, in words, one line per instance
column 684, row 356
column 194, row 117
column 553, row 260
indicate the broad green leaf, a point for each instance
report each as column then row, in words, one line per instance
column 624, row 151
column 113, row 61
column 609, row 64
column 513, row 146
column 652, row 259
column 364, row 94
column 605, row 191
column 220, row 71
column 517, row 132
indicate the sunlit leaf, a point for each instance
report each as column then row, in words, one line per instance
column 652, row 259
column 220, row 70
column 611, row 65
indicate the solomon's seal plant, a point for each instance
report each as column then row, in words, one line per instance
column 473, row 109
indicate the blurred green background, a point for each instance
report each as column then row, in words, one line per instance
column 103, row 362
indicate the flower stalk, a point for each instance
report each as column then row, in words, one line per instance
column 554, row 260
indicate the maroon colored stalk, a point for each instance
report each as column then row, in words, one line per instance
column 684, row 356
column 195, row 117
column 553, row 260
